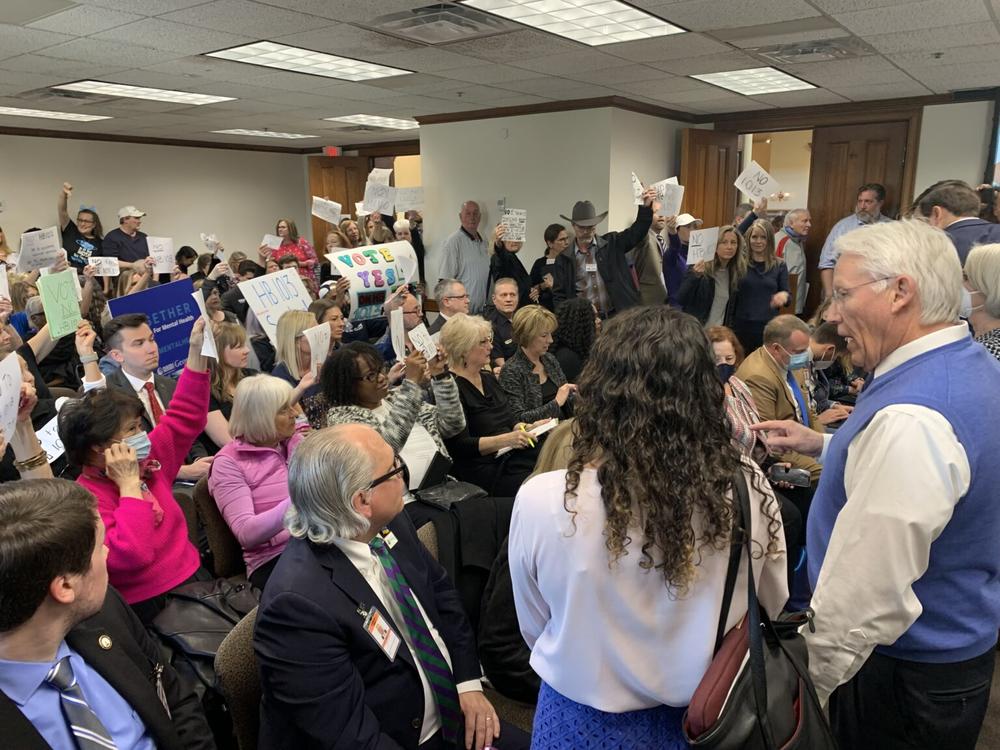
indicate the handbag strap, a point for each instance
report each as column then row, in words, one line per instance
column 735, row 550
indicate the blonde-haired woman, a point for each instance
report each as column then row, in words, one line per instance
column 764, row 289
column 533, row 380
column 249, row 476
column 293, row 360
column 490, row 424
column 708, row 291
column 352, row 232
column 981, row 295
column 227, row 373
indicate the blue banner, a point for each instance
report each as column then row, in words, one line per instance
column 171, row 312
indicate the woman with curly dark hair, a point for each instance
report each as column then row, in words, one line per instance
column 618, row 563
column 575, row 335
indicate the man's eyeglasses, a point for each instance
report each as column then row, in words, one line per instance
column 841, row 295
column 398, row 467
column 457, row 296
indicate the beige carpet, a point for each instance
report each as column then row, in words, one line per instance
column 989, row 738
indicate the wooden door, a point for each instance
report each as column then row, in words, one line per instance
column 341, row 179
column 844, row 158
column 709, row 167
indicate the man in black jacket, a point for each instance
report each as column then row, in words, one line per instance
column 77, row 669
column 603, row 273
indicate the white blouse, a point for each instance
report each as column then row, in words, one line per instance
column 610, row 636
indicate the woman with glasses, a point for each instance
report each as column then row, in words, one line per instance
column 249, row 476
column 83, row 238
column 553, row 276
column 490, row 422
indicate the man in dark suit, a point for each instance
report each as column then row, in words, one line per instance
column 954, row 207
column 77, row 669
column 361, row 640
column 452, row 299
column 233, row 300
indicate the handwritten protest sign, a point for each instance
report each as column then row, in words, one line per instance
column 48, row 438
column 40, row 249
column 421, row 339
column 637, row 189
column 409, row 199
column 326, row 210
column 381, row 176
column 374, row 272
column 211, row 242
column 4, row 285
column 208, row 347
column 360, row 210
column 670, row 196
column 756, row 182
column 319, row 346
column 62, row 308
column 672, row 181
column 397, row 333
column 701, row 245
column 171, row 312
column 161, row 249
column 10, row 393
column 274, row 294
column 104, row 266
column 379, row 198
column 514, row 222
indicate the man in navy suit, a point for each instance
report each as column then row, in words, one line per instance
column 954, row 207
column 361, row 640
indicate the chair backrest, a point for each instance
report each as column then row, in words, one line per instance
column 236, row 670
column 227, row 554
column 428, row 536
column 186, row 502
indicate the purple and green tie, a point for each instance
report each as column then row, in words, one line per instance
column 428, row 655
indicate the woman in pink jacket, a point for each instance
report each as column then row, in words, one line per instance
column 131, row 473
column 249, row 477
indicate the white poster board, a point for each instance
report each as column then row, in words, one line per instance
column 409, row 199
column 360, row 210
column 701, row 245
column 274, row 294
column 104, row 266
column 10, row 394
column 637, row 189
column 374, row 272
column 515, row 224
column 273, row 241
column 670, row 196
column 211, row 243
column 756, row 182
column 40, row 249
column 421, row 339
column 379, row 198
column 319, row 346
column 208, row 347
column 380, row 176
column 48, row 438
column 326, row 210
column 161, row 249
column 397, row 334
column 4, row 284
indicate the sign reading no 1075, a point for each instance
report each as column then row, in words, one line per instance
column 756, row 182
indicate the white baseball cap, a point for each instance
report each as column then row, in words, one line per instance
column 127, row 211
column 684, row 219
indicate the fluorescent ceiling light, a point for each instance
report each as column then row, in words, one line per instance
column 592, row 22
column 74, row 116
column 755, row 81
column 141, row 92
column 263, row 133
column 298, row 60
column 390, row 123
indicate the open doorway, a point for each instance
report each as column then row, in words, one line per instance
column 786, row 155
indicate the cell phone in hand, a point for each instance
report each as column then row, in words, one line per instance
column 794, row 477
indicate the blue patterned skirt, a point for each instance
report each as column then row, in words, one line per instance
column 563, row 724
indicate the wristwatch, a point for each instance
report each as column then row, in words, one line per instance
column 88, row 358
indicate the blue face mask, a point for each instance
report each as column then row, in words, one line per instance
column 726, row 371
column 797, row 361
column 139, row 442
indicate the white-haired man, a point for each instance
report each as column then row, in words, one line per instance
column 465, row 256
column 903, row 529
column 788, row 246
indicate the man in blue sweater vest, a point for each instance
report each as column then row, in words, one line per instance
column 903, row 529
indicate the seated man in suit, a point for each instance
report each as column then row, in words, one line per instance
column 361, row 640
column 452, row 299
column 77, row 669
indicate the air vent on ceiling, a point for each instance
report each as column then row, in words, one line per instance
column 360, row 129
column 441, row 24
column 821, row 50
column 64, row 97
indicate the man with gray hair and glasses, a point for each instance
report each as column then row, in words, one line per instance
column 360, row 637
column 902, row 532
column 452, row 299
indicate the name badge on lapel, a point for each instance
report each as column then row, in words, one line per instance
column 590, row 267
column 382, row 633
column 388, row 537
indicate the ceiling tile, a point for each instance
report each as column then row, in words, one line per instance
column 491, row 73
column 720, row 106
column 348, row 11
column 243, row 17
column 69, row 69
column 570, row 62
column 514, row 46
column 427, row 60
column 28, row 81
column 668, row 85
column 704, row 15
column 83, row 21
column 940, row 38
column 881, row 91
column 346, row 41
column 167, row 35
column 849, row 72
column 17, row 40
column 484, row 95
column 708, row 63
column 124, row 55
column 546, row 86
column 621, row 74
column 923, row 14
column 416, row 83
column 804, row 98
column 944, row 78
column 843, row 6
column 675, row 47
column 143, row 7
column 950, row 56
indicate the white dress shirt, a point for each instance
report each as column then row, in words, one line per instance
column 368, row 565
column 880, row 543
column 610, row 635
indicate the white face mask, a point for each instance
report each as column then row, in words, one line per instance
column 966, row 308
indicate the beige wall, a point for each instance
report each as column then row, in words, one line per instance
column 236, row 195
column 954, row 139
column 790, row 153
column 406, row 171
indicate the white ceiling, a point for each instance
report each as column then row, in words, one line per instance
column 921, row 47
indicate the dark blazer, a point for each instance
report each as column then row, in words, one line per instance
column 437, row 325
column 326, row 683
column 971, row 231
column 235, row 302
column 506, row 265
column 563, row 280
column 130, row 666
column 696, row 295
column 524, row 390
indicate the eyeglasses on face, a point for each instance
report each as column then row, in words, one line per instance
column 397, row 468
column 841, row 295
column 372, row 376
column 457, row 296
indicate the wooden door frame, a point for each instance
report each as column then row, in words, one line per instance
column 803, row 119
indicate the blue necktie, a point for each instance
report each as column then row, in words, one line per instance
column 87, row 729
column 799, row 398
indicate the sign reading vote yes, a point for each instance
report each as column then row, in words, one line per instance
column 756, row 182
column 273, row 295
column 374, row 272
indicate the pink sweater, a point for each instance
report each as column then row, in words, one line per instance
column 146, row 559
column 250, row 486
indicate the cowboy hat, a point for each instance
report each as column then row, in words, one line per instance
column 584, row 215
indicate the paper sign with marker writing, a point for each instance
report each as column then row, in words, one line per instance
column 319, row 346
column 326, row 210
column 756, row 182
column 10, row 394
column 79, row 289
column 211, row 242
column 161, row 249
column 409, row 199
column 381, row 176
column 4, row 285
column 62, row 308
column 515, row 224
column 40, row 249
column 272, row 295
column 421, row 339
column 104, row 266
column 360, row 210
column 374, row 272
column 273, row 241
column 208, row 347
column 672, row 181
column 670, row 197
column 379, row 199
column 397, row 334
column 702, row 244
column 48, row 437
column 637, row 189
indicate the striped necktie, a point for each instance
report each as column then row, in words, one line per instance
column 425, row 650
column 87, row 729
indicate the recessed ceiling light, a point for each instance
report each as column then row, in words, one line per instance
column 142, row 92
column 74, row 116
column 263, row 133
column 592, row 22
column 390, row 123
column 754, row 81
column 298, row 60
